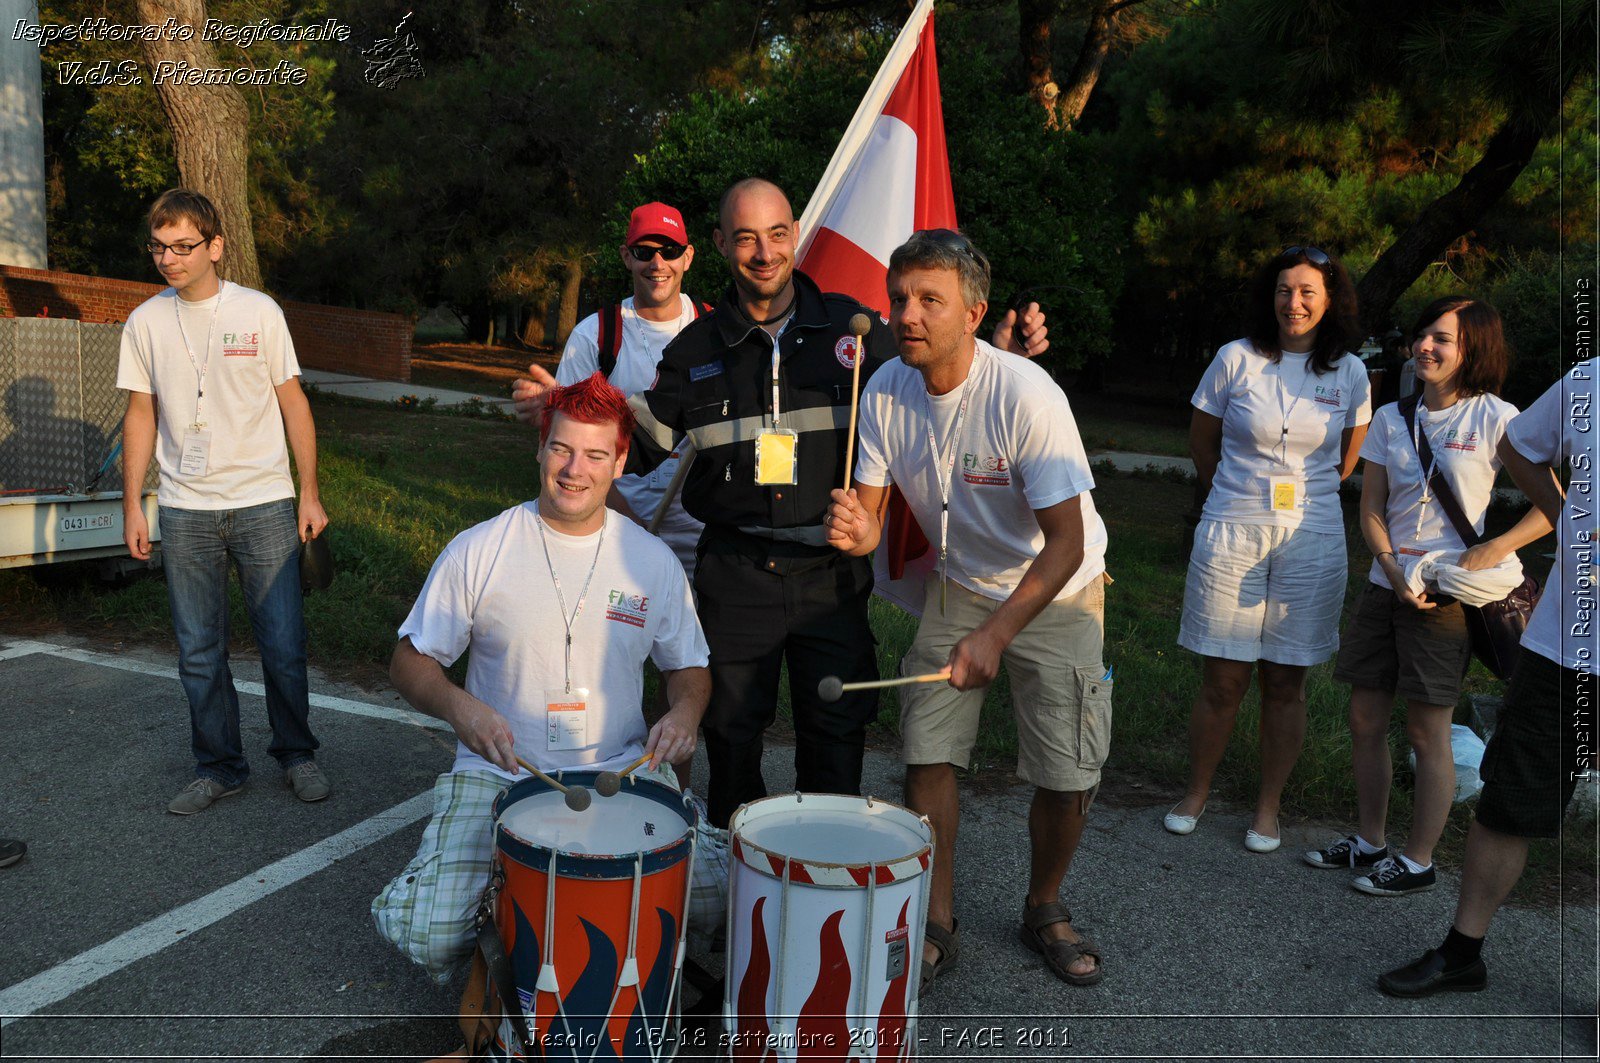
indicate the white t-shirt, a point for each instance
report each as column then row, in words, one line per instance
column 491, row 591
column 1561, row 426
column 1256, row 398
column 1019, row 451
column 1463, row 439
column 251, row 354
column 643, row 341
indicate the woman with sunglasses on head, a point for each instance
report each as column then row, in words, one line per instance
column 1279, row 417
column 1409, row 642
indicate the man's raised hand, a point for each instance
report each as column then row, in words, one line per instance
column 527, row 395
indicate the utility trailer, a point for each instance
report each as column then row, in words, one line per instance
column 60, row 446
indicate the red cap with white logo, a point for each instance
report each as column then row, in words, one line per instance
column 658, row 220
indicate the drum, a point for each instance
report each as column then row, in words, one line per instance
column 590, row 906
column 827, row 900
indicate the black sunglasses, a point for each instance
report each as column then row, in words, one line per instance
column 668, row 252
column 1314, row 255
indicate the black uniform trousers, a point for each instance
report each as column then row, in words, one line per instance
column 756, row 613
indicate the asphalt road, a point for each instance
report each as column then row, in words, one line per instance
column 242, row 933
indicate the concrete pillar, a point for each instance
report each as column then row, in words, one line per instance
column 22, row 239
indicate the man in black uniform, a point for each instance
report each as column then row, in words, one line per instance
column 761, row 387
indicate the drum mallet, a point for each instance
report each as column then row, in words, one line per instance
column 832, row 688
column 609, row 783
column 861, row 324
column 577, row 797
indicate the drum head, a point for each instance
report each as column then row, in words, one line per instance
column 611, row 826
column 828, row 829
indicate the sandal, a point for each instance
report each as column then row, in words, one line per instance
column 948, row 942
column 1062, row 954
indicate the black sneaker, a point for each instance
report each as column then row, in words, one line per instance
column 1345, row 853
column 1393, row 879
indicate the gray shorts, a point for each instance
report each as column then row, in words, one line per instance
column 1060, row 688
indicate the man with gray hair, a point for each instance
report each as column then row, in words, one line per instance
column 984, row 447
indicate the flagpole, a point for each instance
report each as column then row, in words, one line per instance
column 860, row 127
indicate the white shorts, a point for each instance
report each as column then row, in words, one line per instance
column 1258, row 592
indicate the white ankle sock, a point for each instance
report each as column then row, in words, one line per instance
column 1366, row 848
column 1412, row 865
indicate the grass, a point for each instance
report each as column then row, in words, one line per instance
column 399, row 486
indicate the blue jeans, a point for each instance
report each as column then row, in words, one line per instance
column 264, row 545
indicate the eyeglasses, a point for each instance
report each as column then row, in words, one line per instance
column 646, row 252
column 1314, row 255
column 182, row 250
column 951, row 240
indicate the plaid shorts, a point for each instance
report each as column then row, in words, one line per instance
column 428, row 910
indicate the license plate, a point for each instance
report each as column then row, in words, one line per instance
column 90, row 523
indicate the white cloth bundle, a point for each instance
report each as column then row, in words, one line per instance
column 1438, row 571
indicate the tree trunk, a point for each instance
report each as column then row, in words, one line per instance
column 1037, row 17
column 1448, row 217
column 1091, row 57
column 210, row 133
column 571, row 284
column 533, row 330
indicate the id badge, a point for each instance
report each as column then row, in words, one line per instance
column 1287, row 493
column 775, row 457
column 196, row 453
column 566, row 719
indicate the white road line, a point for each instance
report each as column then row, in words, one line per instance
column 61, row 981
column 321, row 701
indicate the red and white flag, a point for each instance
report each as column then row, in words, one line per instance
column 889, row 177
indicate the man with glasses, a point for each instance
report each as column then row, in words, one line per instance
column 213, row 387
column 624, row 342
column 987, row 453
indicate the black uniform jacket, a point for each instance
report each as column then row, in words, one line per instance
column 715, row 386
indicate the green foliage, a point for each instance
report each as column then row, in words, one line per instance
column 1263, row 123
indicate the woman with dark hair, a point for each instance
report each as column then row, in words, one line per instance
column 1406, row 641
column 1278, row 419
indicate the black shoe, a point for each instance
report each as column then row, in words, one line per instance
column 11, row 850
column 1428, row 975
column 1345, row 853
column 1392, row 878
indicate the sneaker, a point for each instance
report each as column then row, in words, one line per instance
column 307, row 781
column 200, row 795
column 11, row 850
column 1345, row 853
column 1391, row 878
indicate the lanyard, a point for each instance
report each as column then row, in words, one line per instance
column 1281, row 451
column 199, row 367
column 1433, row 454
column 944, row 469
column 560, row 599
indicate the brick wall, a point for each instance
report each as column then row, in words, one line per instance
column 331, row 338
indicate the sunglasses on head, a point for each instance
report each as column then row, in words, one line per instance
column 668, row 252
column 1314, row 255
column 951, row 240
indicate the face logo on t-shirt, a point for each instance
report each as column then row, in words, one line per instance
column 1330, row 395
column 985, row 471
column 1456, row 439
column 241, row 344
column 627, row 608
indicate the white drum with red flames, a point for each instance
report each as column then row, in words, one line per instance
column 827, row 900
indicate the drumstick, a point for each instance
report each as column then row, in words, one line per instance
column 685, row 459
column 577, row 797
column 831, row 689
column 609, row 783
column 861, row 324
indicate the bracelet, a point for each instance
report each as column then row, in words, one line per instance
column 1386, row 553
